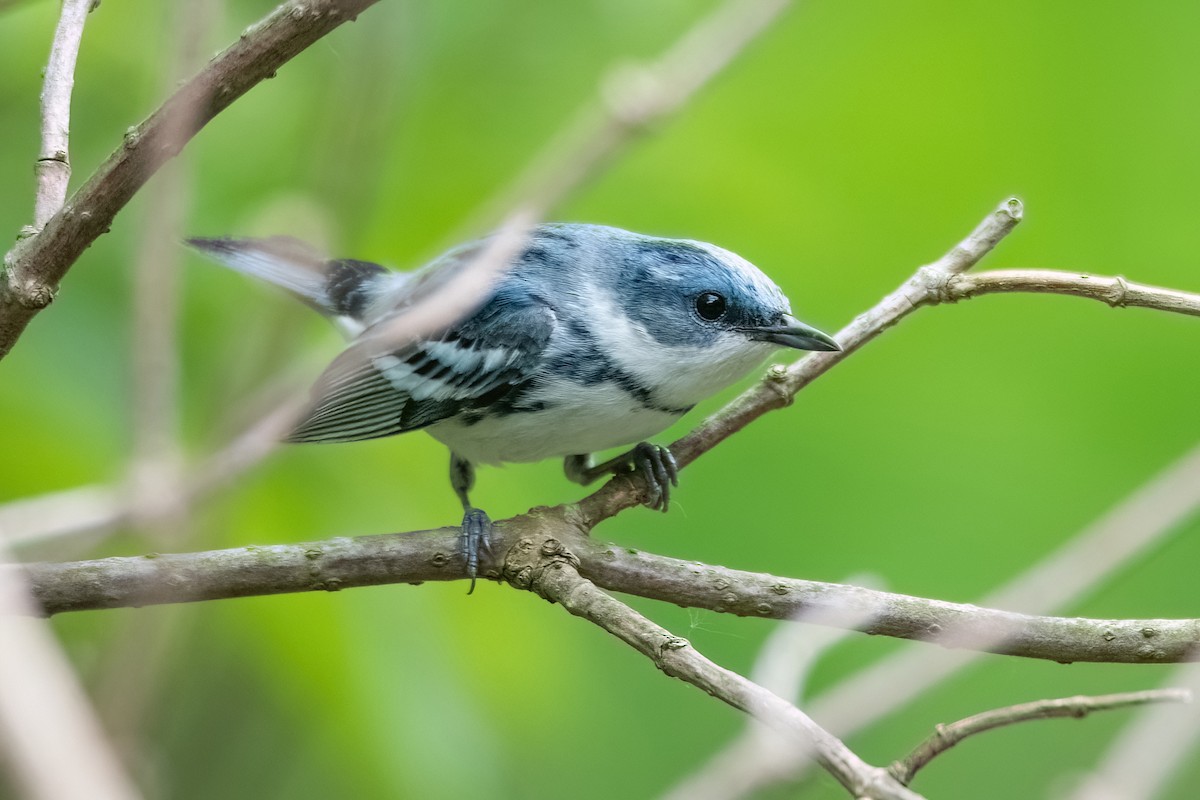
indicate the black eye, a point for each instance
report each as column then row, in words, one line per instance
column 710, row 306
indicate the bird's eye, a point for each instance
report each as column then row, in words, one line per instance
column 710, row 306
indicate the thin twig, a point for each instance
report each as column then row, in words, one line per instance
column 53, row 168
column 1115, row 291
column 1152, row 748
column 946, row 736
column 36, row 265
column 548, row 569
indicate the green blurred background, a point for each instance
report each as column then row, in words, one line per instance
column 853, row 143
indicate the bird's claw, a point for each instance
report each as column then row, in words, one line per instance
column 658, row 467
column 476, row 537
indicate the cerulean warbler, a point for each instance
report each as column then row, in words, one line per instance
column 594, row 338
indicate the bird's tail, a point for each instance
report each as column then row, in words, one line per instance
column 335, row 287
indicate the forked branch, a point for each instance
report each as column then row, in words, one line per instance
column 36, row 265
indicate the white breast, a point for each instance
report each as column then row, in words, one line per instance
column 587, row 419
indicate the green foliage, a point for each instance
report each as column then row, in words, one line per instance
column 857, row 141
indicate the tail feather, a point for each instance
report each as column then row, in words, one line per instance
column 338, row 288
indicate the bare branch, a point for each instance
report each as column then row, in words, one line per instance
column 1115, row 291
column 1152, row 748
column 549, row 570
column 344, row 563
column 53, row 168
column 34, row 268
column 946, row 736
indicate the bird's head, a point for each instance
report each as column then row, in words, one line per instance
column 693, row 293
column 692, row 316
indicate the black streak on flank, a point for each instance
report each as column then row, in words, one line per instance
column 587, row 365
column 348, row 283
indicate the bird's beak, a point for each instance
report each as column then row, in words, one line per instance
column 791, row 332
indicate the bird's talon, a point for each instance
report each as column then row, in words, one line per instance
column 476, row 537
column 661, row 472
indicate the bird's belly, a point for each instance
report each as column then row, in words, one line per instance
column 587, row 420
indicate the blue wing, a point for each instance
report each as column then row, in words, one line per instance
column 472, row 365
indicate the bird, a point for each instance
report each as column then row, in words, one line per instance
column 592, row 338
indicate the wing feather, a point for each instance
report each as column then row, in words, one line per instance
column 502, row 346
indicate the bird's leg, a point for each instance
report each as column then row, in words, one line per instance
column 654, row 462
column 476, row 525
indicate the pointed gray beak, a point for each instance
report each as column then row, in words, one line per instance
column 791, row 332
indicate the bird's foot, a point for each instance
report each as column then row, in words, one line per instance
column 658, row 467
column 476, row 538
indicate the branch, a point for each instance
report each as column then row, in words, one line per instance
column 1116, row 291
column 946, row 736
column 550, row 570
column 1147, row 755
column 345, row 563
column 36, row 265
column 53, row 167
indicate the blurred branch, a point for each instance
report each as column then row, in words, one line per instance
column 548, row 569
column 344, row 563
column 36, row 265
column 78, row 510
column 98, row 510
column 947, row 736
column 53, row 167
column 155, row 472
column 633, row 98
column 1116, row 291
column 1149, row 751
column 50, row 738
column 5, row 5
